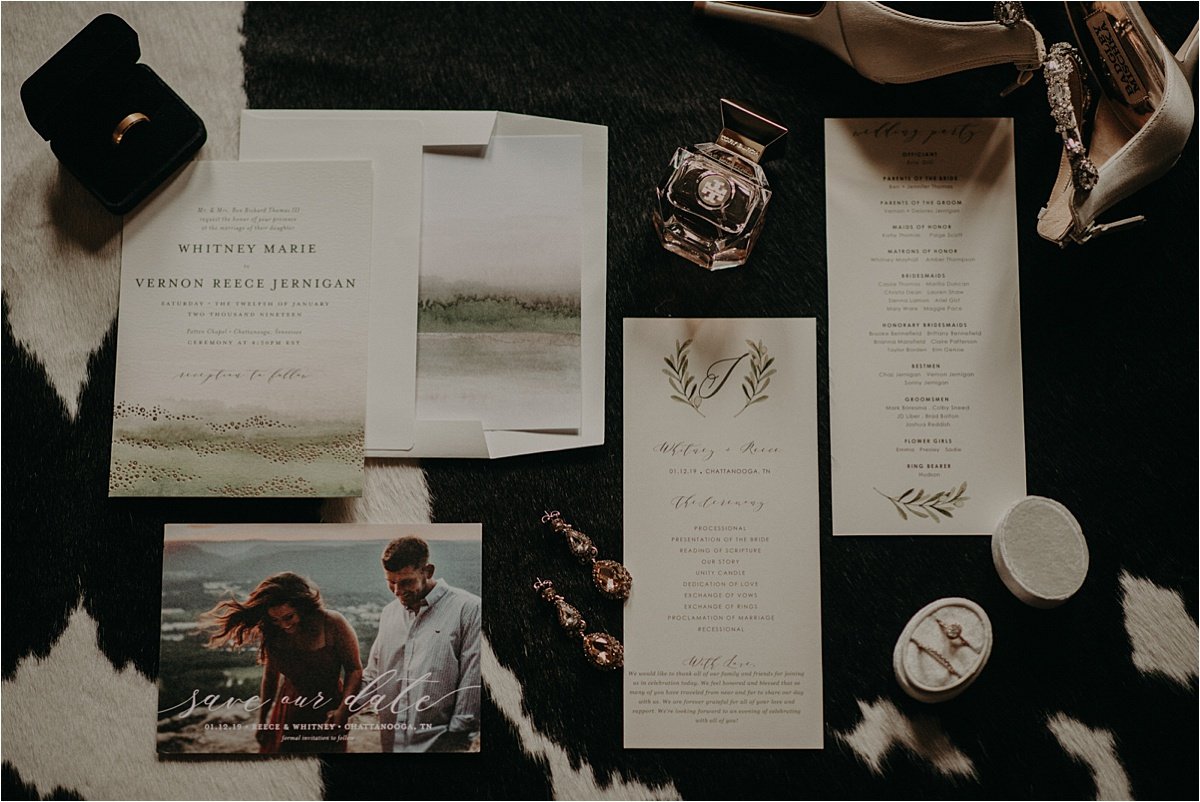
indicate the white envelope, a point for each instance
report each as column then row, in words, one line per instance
column 468, row 133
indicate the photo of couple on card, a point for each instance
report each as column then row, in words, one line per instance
column 320, row 639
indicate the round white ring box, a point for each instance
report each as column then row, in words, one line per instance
column 1040, row 552
column 942, row 649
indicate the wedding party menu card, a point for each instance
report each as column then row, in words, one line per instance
column 242, row 340
column 926, row 417
column 723, row 625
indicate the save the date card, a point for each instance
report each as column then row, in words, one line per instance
column 320, row 638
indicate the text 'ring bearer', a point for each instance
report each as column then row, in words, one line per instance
column 610, row 577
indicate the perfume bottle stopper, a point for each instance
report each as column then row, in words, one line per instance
column 711, row 206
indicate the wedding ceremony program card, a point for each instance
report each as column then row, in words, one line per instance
column 242, row 338
column 926, row 414
column 723, row 626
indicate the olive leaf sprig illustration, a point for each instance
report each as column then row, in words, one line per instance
column 754, row 386
column 915, row 502
column 687, row 391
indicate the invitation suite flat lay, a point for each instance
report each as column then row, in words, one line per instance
column 242, row 340
column 501, row 294
column 355, row 673
column 723, row 626
column 926, row 413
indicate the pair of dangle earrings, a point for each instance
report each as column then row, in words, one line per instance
column 611, row 578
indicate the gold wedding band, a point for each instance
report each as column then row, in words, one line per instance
column 123, row 127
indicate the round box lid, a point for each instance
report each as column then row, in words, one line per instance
column 1040, row 552
column 942, row 649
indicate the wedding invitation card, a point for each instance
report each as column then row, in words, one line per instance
column 723, row 626
column 926, row 413
column 242, row 339
column 317, row 638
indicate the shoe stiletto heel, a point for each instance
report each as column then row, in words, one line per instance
column 889, row 47
column 1124, row 110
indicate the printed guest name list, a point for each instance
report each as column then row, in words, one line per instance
column 924, row 334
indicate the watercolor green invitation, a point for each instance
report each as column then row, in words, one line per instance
column 242, row 337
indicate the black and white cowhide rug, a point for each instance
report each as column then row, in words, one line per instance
column 1096, row 699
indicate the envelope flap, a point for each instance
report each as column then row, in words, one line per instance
column 443, row 129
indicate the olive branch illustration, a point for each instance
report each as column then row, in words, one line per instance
column 755, row 384
column 687, row 391
column 915, row 502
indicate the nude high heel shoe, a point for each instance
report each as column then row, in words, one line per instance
column 890, row 47
column 1124, row 109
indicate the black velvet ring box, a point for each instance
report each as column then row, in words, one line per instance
column 92, row 93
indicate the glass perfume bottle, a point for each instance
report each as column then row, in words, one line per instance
column 710, row 207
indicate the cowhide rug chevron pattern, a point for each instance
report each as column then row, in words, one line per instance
column 1095, row 699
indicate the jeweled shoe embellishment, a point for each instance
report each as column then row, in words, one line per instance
column 610, row 577
column 1008, row 14
column 1137, row 122
column 1064, row 79
column 601, row 649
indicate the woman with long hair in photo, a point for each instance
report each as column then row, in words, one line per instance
column 310, row 661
